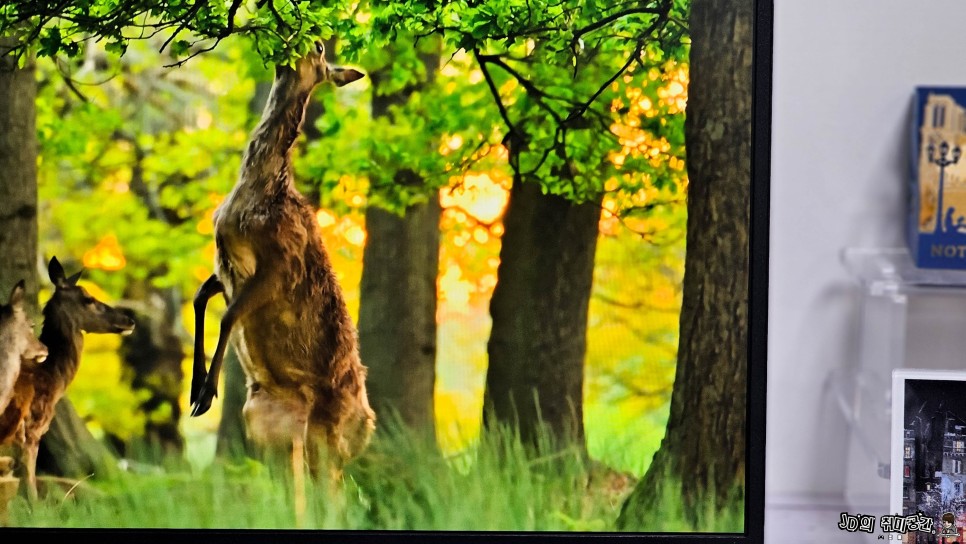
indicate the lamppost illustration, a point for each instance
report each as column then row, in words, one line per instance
column 942, row 162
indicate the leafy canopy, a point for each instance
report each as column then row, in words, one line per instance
column 552, row 67
column 282, row 30
column 552, row 70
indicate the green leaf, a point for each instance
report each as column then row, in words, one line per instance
column 180, row 47
column 118, row 47
column 50, row 42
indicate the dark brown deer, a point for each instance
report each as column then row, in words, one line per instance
column 70, row 312
column 286, row 315
column 17, row 343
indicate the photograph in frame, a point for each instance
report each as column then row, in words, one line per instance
column 927, row 477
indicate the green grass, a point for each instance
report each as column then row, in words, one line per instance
column 398, row 484
column 668, row 515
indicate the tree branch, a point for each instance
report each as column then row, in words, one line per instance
column 601, row 23
column 229, row 28
column 663, row 13
column 184, row 22
column 496, row 95
column 528, row 85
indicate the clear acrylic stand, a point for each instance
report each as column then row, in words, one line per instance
column 862, row 392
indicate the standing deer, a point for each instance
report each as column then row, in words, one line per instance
column 285, row 314
column 17, row 343
column 70, row 312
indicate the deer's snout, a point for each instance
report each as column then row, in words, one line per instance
column 38, row 354
column 124, row 325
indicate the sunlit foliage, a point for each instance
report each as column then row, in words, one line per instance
column 136, row 156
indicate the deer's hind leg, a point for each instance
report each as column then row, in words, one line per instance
column 248, row 298
column 211, row 287
column 326, row 448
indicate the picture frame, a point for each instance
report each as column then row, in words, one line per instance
column 934, row 228
column 928, row 443
column 755, row 391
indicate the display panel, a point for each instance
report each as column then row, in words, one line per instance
column 669, row 339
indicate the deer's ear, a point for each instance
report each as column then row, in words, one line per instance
column 17, row 294
column 73, row 279
column 56, row 272
column 343, row 76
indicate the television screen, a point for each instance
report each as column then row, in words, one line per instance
column 385, row 270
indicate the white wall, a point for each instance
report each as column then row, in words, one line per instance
column 844, row 71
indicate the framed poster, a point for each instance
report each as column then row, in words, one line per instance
column 928, row 479
column 565, row 306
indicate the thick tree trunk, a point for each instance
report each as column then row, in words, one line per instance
column 539, row 309
column 702, row 456
column 69, row 449
column 397, row 311
column 397, row 305
column 18, row 185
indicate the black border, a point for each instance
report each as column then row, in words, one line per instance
column 763, row 33
column 758, row 271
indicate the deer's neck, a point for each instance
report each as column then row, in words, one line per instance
column 12, row 348
column 64, row 340
column 266, row 164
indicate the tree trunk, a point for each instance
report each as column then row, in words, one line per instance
column 69, row 449
column 702, row 457
column 397, row 305
column 18, row 185
column 539, row 309
column 397, row 312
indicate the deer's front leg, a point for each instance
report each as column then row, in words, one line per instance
column 246, row 299
column 211, row 287
column 29, row 459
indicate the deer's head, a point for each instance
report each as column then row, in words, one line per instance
column 313, row 69
column 76, row 304
column 17, row 330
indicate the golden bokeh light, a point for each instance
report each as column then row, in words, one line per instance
column 355, row 235
column 454, row 290
column 324, row 218
column 479, row 195
column 203, row 118
column 206, row 225
column 201, row 273
column 106, row 255
column 481, row 235
column 450, row 144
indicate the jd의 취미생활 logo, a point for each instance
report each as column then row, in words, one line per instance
column 892, row 524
